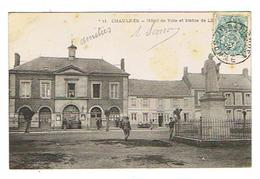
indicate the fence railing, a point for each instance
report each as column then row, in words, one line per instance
column 214, row 129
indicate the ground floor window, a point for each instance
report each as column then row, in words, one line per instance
column 229, row 114
column 160, row 119
column 133, row 116
column 145, row 117
column 248, row 114
column 239, row 115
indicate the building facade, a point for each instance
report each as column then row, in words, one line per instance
column 66, row 88
column 156, row 100
column 236, row 88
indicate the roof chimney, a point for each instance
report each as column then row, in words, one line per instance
column 245, row 72
column 16, row 59
column 72, row 51
column 185, row 71
column 123, row 64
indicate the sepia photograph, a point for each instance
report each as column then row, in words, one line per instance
column 120, row 90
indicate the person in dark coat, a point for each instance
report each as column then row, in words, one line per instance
column 172, row 127
column 126, row 127
column 120, row 123
column 98, row 124
column 64, row 123
column 117, row 122
column 151, row 124
column 28, row 118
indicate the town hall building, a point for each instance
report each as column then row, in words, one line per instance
column 68, row 88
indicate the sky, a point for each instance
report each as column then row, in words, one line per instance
column 155, row 46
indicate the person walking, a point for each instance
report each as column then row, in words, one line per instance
column 172, row 127
column 126, row 127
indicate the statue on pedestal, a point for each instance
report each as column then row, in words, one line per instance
column 211, row 72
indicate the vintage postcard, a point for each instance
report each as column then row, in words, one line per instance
column 129, row 90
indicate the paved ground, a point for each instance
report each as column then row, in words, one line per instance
column 100, row 149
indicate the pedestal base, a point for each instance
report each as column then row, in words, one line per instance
column 214, row 122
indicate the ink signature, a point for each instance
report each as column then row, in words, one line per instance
column 153, row 31
column 100, row 31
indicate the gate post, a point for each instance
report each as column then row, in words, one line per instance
column 201, row 128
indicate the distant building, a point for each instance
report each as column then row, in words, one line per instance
column 155, row 100
column 66, row 88
column 235, row 87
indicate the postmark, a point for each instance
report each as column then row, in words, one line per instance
column 232, row 39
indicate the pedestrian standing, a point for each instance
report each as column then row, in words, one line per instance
column 64, row 124
column 172, row 127
column 126, row 127
column 120, row 123
column 28, row 124
column 151, row 124
column 97, row 123
column 28, row 118
column 100, row 123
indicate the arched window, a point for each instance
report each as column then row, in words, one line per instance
column 95, row 112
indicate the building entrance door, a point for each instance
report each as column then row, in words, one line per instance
column 114, row 116
column 160, row 119
column 71, row 117
column 45, row 118
column 95, row 115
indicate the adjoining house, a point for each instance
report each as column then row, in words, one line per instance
column 68, row 88
column 156, row 100
column 235, row 87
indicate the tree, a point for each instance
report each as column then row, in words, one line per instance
column 177, row 112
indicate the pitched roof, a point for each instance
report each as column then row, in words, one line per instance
column 52, row 64
column 153, row 88
column 226, row 81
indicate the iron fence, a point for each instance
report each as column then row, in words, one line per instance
column 204, row 129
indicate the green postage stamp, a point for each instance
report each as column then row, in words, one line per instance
column 232, row 37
